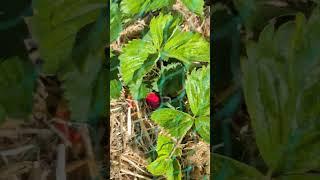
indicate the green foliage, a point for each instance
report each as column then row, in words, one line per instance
column 177, row 123
column 227, row 168
column 163, row 41
column 277, row 89
column 198, row 91
column 17, row 84
column 139, row 7
column 115, row 89
column 281, row 84
column 85, row 82
column 166, row 164
column 203, row 127
column 115, row 21
column 195, row 6
column 55, row 33
column 171, row 80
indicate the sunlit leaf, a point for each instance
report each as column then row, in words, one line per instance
column 177, row 123
column 198, row 91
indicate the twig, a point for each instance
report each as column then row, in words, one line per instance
column 133, row 164
column 16, row 151
column 61, row 162
column 13, row 133
column 93, row 169
column 134, row 174
column 129, row 122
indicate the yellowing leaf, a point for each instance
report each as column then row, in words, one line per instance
column 161, row 166
column 165, row 146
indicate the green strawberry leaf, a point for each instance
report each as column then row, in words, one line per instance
column 17, row 84
column 203, row 127
column 177, row 173
column 195, row 6
column 187, row 47
column 158, row 27
column 281, row 94
column 171, row 80
column 134, row 54
column 177, row 123
column 161, row 166
column 115, row 21
column 78, row 86
column 227, row 168
column 115, row 89
column 134, row 7
column 198, row 91
column 165, row 146
column 55, row 33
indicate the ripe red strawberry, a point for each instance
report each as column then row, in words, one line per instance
column 153, row 100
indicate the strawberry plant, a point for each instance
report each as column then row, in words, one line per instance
column 281, row 89
column 167, row 67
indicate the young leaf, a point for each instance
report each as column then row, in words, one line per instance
column 227, row 168
column 177, row 123
column 187, row 47
column 198, row 91
column 203, row 127
column 115, row 21
column 195, row 6
column 17, row 84
column 165, row 146
column 55, row 33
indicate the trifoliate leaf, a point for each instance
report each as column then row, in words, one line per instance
column 203, row 127
column 165, row 146
column 54, row 26
column 115, row 89
column 17, row 84
column 195, row 6
column 198, row 91
column 280, row 89
column 177, row 123
column 133, row 57
column 161, row 166
column 187, row 47
column 115, row 21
